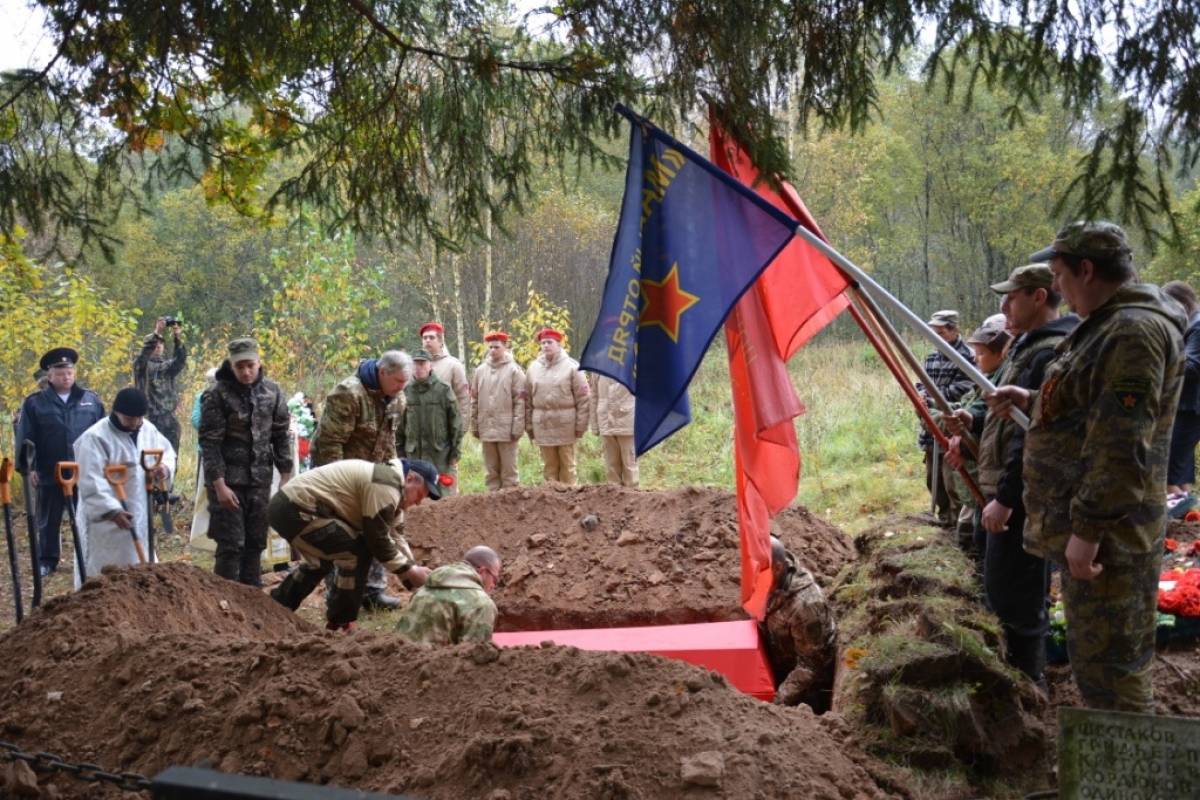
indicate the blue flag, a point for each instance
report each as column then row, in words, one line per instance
column 691, row 239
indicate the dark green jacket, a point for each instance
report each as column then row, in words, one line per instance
column 431, row 427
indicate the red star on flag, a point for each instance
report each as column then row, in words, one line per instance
column 665, row 303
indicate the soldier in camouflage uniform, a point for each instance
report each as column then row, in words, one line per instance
column 244, row 433
column 1096, row 457
column 347, row 514
column 359, row 419
column 953, row 383
column 431, row 427
column 453, row 606
column 800, row 633
column 155, row 375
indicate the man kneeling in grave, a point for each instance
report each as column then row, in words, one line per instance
column 800, row 633
column 453, row 605
column 344, row 514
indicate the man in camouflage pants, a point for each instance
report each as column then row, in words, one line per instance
column 453, row 605
column 349, row 514
column 155, row 375
column 1096, row 459
column 244, row 433
column 800, row 633
column 359, row 419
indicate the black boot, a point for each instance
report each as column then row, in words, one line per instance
column 375, row 599
column 1028, row 654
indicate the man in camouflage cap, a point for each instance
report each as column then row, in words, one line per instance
column 245, row 434
column 800, row 633
column 431, row 427
column 155, row 375
column 1096, row 457
column 953, row 383
column 359, row 419
column 453, row 605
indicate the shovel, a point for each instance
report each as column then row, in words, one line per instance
column 116, row 475
column 155, row 492
column 6, row 471
column 66, row 473
column 35, row 545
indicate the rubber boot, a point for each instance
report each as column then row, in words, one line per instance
column 1028, row 654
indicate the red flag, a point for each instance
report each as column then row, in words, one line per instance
column 796, row 296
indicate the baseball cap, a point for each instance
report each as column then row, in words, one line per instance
column 242, row 349
column 1090, row 239
column 428, row 472
column 1030, row 276
column 944, row 318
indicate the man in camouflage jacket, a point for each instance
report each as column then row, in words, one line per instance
column 359, row 419
column 155, row 375
column 453, row 605
column 244, row 435
column 800, row 633
column 953, row 383
column 1096, row 456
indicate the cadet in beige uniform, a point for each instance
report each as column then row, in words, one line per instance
column 497, row 414
column 556, row 411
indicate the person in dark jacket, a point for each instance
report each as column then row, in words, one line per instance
column 53, row 419
column 1016, row 582
column 244, row 435
column 1181, row 467
column 953, row 383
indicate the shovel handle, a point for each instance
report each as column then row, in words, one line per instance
column 66, row 473
column 6, row 471
column 116, row 475
column 151, row 459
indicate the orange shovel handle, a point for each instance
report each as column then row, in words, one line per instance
column 116, row 475
column 66, row 473
column 151, row 459
column 6, row 471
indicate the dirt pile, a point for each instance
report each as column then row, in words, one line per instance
column 921, row 672
column 606, row 556
column 246, row 687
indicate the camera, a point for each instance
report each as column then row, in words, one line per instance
column 171, row 322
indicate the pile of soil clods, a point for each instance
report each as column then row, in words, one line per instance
column 607, row 556
column 371, row 711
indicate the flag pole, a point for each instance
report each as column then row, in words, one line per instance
column 894, row 336
column 870, row 326
column 883, row 296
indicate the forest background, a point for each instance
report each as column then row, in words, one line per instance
column 934, row 200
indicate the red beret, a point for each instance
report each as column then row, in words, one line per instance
column 432, row 326
column 496, row 336
column 549, row 333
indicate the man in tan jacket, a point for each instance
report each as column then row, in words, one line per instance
column 450, row 371
column 556, row 408
column 612, row 421
column 497, row 415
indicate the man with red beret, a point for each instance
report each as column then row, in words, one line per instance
column 556, row 408
column 450, row 371
column 498, row 411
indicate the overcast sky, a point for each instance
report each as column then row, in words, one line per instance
column 23, row 39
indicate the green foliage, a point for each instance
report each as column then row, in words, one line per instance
column 524, row 323
column 45, row 308
column 411, row 119
column 314, row 325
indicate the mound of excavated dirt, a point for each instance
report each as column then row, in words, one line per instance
column 606, row 556
column 248, row 688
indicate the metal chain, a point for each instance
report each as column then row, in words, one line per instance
column 88, row 773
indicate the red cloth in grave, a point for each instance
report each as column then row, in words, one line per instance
column 733, row 649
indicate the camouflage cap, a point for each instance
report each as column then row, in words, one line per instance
column 1092, row 240
column 152, row 338
column 992, row 333
column 1030, row 276
column 421, row 354
column 242, row 349
column 944, row 319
